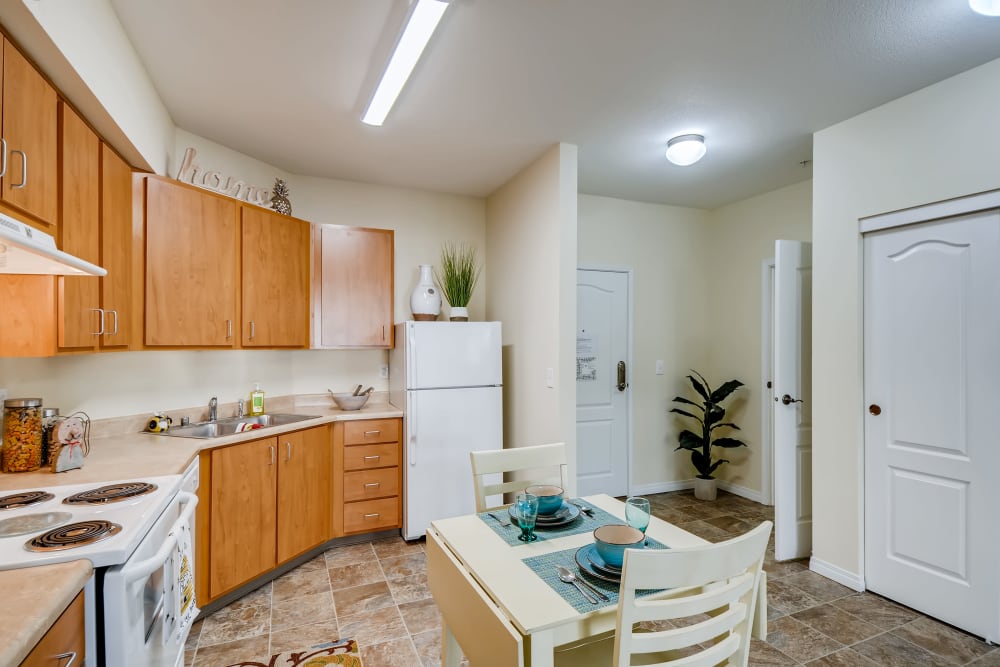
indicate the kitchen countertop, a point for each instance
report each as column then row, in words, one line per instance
column 120, row 451
column 33, row 601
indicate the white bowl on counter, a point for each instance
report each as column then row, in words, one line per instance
column 348, row 401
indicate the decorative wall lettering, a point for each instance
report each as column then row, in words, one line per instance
column 191, row 172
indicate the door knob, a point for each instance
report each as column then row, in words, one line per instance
column 622, row 384
column 875, row 409
column 788, row 400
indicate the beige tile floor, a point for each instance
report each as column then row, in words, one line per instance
column 377, row 594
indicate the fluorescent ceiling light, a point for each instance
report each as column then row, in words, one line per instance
column 421, row 25
column 686, row 149
column 986, row 7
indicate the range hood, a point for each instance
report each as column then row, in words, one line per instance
column 24, row 249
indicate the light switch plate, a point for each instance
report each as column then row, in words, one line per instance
column 383, row 371
column 3, row 397
column 659, row 366
column 550, row 377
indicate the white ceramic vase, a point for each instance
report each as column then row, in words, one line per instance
column 425, row 302
column 705, row 489
column 459, row 314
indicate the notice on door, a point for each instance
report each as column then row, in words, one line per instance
column 586, row 357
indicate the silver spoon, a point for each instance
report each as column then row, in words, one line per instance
column 570, row 578
column 498, row 519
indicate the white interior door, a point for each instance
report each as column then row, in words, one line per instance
column 602, row 423
column 792, row 391
column 932, row 329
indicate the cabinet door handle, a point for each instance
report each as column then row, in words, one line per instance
column 3, row 157
column 373, row 484
column 114, row 329
column 100, row 331
column 383, row 332
column 24, row 169
column 62, row 656
column 229, row 329
column 374, row 457
column 288, row 455
column 373, row 516
column 253, row 330
column 368, row 433
column 271, row 447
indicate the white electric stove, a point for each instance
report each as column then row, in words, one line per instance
column 138, row 534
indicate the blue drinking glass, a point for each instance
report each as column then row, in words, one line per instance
column 526, row 512
column 637, row 513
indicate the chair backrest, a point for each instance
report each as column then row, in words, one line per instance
column 546, row 464
column 723, row 578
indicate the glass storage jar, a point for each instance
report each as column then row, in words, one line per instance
column 49, row 417
column 22, row 435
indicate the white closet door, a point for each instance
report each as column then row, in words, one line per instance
column 932, row 392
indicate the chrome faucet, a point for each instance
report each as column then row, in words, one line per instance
column 213, row 409
column 240, row 408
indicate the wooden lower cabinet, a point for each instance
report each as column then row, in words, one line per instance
column 268, row 501
column 65, row 638
column 367, row 462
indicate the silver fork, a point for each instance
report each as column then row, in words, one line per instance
column 570, row 578
column 586, row 510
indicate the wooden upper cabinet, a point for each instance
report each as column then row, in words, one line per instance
column 352, row 287
column 116, row 249
column 275, row 283
column 30, row 109
column 303, row 490
column 192, row 266
column 81, row 321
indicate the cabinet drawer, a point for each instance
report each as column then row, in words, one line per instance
column 371, row 430
column 66, row 636
column 361, row 457
column 370, row 515
column 365, row 484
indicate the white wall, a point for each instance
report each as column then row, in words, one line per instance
column 531, row 258
column 82, row 47
column 741, row 237
column 883, row 160
column 666, row 247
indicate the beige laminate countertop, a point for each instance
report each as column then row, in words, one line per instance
column 33, row 600
column 125, row 452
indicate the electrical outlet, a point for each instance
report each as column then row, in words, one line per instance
column 383, row 371
column 659, row 366
column 3, row 397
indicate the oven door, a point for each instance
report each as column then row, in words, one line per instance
column 146, row 617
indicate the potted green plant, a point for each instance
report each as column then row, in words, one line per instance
column 458, row 277
column 711, row 418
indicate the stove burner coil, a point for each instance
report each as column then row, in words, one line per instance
column 73, row 535
column 24, row 499
column 112, row 493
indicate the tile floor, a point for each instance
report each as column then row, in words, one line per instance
column 377, row 594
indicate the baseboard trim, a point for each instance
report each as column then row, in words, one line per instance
column 682, row 484
column 743, row 491
column 840, row 575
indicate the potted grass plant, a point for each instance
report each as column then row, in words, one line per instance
column 459, row 274
column 710, row 418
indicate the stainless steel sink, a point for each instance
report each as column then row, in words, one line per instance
column 223, row 427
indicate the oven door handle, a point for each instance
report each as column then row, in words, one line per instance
column 142, row 569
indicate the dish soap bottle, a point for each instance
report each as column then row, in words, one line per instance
column 257, row 400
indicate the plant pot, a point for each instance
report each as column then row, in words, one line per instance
column 705, row 489
column 459, row 314
column 425, row 302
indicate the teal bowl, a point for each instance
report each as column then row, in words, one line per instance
column 612, row 540
column 550, row 497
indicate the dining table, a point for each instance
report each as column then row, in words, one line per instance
column 501, row 600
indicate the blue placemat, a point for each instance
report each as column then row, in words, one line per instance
column 582, row 524
column 545, row 568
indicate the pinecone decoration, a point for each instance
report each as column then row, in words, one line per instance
column 279, row 199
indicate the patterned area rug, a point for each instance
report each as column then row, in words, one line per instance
column 341, row 652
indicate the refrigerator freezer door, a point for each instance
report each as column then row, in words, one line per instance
column 442, row 427
column 452, row 354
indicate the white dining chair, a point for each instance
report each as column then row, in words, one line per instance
column 546, row 464
column 709, row 625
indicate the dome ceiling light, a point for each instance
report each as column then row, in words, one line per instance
column 986, row 7
column 686, row 149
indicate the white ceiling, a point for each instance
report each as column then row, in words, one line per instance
column 286, row 82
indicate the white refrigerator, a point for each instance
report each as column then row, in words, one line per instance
column 447, row 377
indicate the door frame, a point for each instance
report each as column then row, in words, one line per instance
column 766, row 366
column 948, row 208
column 629, row 338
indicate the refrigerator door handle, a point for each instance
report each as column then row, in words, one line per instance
column 411, row 427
